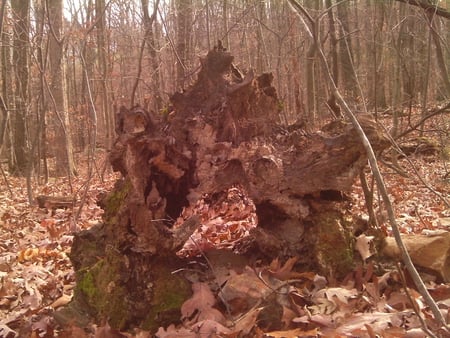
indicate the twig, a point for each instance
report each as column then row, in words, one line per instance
column 413, row 302
column 368, row 197
column 283, row 284
column 208, row 262
column 442, row 110
column 399, row 150
column 394, row 167
column 91, row 159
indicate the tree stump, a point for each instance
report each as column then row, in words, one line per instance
column 217, row 172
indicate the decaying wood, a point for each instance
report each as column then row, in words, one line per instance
column 431, row 253
column 220, row 133
column 55, row 202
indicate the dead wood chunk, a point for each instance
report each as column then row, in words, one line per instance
column 133, row 121
column 420, row 146
column 431, row 253
column 55, row 202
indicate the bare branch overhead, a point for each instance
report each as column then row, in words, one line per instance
column 429, row 7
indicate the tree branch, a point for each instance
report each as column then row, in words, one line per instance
column 428, row 7
column 443, row 110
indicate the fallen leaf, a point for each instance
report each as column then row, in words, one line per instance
column 340, row 293
column 243, row 291
column 285, row 272
column 209, row 328
column 293, row 333
column 200, row 305
column 323, row 306
column 245, row 324
column 6, row 331
column 364, row 246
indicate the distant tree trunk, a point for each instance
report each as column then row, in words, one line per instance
column 406, row 46
column 63, row 150
column 378, row 96
column 184, row 31
column 294, row 90
column 333, row 43
column 331, row 103
column 425, row 78
column 440, row 58
column 396, row 74
column 102, row 51
column 225, row 23
column 41, row 102
column 208, row 24
column 311, row 81
column 346, row 51
column 262, row 63
column 150, row 41
column 20, row 12
column 87, row 56
column 4, row 51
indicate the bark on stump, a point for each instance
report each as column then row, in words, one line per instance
column 221, row 133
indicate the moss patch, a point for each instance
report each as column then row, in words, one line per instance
column 169, row 293
column 115, row 199
column 101, row 289
column 334, row 249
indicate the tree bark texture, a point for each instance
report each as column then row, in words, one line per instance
column 20, row 12
column 221, row 145
column 58, row 91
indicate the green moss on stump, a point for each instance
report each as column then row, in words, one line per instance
column 115, row 199
column 334, row 245
column 99, row 287
column 169, row 293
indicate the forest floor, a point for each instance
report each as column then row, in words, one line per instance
column 36, row 276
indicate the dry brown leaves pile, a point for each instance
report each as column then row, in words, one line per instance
column 36, row 276
column 226, row 220
column 260, row 304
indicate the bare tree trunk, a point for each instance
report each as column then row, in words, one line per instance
column 333, row 42
column 295, row 88
column 346, row 51
column 208, row 24
column 184, row 29
column 311, row 82
column 225, row 23
column 378, row 97
column 4, row 117
column 262, row 63
column 87, row 56
column 64, row 152
column 150, row 41
column 439, row 53
column 41, row 104
column 406, row 47
column 102, row 50
column 20, row 12
column 331, row 103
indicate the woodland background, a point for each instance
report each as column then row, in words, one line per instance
column 67, row 66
